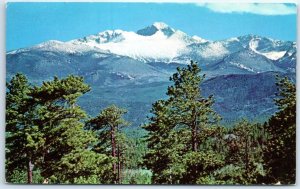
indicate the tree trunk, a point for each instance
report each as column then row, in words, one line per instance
column 194, row 131
column 29, row 172
column 194, row 170
column 113, row 145
column 119, row 165
column 194, row 139
column 246, row 154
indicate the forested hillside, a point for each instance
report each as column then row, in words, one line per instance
column 50, row 139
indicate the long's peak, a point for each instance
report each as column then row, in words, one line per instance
column 160, row 25
column 156, row 26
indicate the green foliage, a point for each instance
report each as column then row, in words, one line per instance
column 22, row 138
column 245, row 142
column 20, row 177
column 137, row 176
column 44, row 127
column 110, row 140
column 229, row 174
column 200, row 165
column 188, row 108
column 177, row 127
column 108, row 122
column 136, row 148
column 81, row 167
column 57, row 91
column 186, row 145
column 17, row 96
column 59, row 121
column 182, row 143
column 280, row 150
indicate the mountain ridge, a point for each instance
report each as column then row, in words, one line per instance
column 131, row 79
column 171, row 47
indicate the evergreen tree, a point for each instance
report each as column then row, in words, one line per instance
column 244, row 153
column 158, row 156
column 82, row 166
column 135, row 148
column 45, row 129
column 107, row 125
column 22, row 138
column 280, row 151
column 176, row 129
column 59, row 119
column 189, row 108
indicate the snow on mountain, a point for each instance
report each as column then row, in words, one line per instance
column 155, row 27
column 160, row 43
column 214, row 49
column 157, row 46
column 199, row 39
column 162, row 26
column 243, row 62
column 131, row 69
column 273, row 55
column 157, row 42
column 61, row 47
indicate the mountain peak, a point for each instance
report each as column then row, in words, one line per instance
column 155, row 27
column 160, row 25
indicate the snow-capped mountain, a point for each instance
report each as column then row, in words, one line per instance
column 157, row 42
column 137, row 65
column 162, row 43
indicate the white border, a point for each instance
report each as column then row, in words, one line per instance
column 2, row 92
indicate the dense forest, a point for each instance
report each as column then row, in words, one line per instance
column 50, row 139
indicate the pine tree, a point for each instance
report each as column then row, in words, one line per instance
column 22, row 138
column 160, row 143
column 189, row 108
column 280, row 151
column 82, row 166
column 45, row 128
column 58, row 118
column 177, row 127
column 107, row 125
column 245, row 151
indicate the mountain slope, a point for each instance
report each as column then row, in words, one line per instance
column 244, row 96
column 131, row 69
column 161, row 43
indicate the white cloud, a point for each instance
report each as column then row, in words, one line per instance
column 253, row 8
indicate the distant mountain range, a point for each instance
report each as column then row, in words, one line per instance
column 131, row 69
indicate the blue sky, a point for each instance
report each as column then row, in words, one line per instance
column 32, row 23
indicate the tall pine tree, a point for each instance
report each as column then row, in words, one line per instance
column 176, row 127
column 45, row 129
column 107, row 125
column 22, row 137
column 280, row 151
